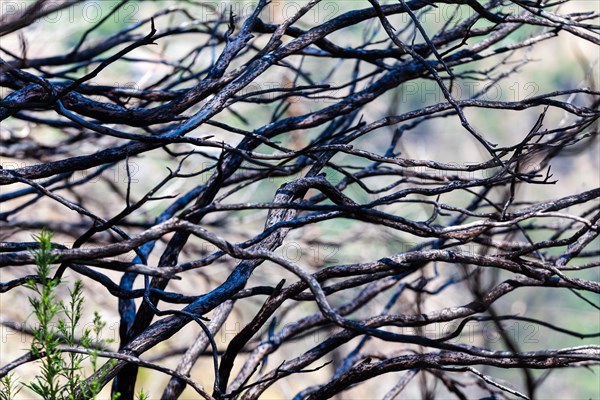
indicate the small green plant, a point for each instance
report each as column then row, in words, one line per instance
column 90, row 340
column 45, row 334
column 61, row 373
column 142, row 395
column 8, row 388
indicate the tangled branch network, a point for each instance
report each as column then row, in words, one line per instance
column 311, row 199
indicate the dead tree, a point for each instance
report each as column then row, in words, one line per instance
column 317, row 176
